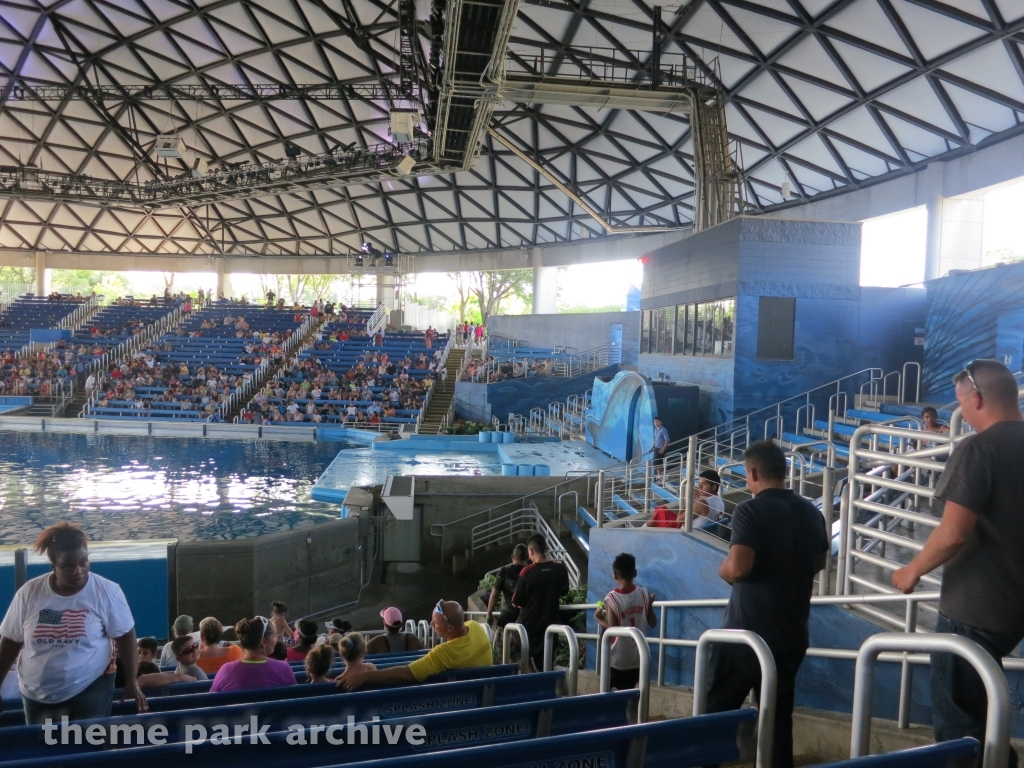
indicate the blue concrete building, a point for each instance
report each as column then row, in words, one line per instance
column 757, row 310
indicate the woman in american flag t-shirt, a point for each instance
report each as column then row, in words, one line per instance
column 62, row 624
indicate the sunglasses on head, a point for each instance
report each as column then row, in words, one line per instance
column 438, row 611
column 968, row 371
column 266, row 624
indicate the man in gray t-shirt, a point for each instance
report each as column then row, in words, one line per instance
column 981, row 542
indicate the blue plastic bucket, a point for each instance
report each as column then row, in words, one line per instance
column 509, row 469
column 541, row 470
column 525, row 470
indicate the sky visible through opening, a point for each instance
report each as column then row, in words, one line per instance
column 892, row 247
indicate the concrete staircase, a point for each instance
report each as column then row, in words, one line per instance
column 443, row 395
column 273, row 372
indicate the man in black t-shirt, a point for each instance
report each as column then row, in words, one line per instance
column 778, row 544
column 981, row 541
column 541, row 585
column 505, row 586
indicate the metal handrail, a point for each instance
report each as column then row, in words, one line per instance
column 644, row 651
column 526, row 518
column 574, row 654
column 997, row 721
column 849, row 551
column 519, row 500
column 506, row 646
column 769, row 683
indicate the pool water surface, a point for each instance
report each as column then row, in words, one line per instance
column 128, row 487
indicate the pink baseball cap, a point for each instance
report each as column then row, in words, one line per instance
column 392, row 616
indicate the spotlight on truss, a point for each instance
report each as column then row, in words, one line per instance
column 406, row 165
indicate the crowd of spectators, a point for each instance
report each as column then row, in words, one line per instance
column 490, row 370
column 309, row 391
column 201, row 390
column 44, row 374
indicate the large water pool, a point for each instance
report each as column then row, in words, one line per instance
column 126, row 487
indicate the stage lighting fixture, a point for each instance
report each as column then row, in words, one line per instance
column 291, row 150
column 389, row 260
column 406, row 165
column 359, row 259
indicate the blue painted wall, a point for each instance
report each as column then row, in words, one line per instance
column 575, row 332
column 480, row 402
column 678, row 567
column 971, row 315
column 6, row 585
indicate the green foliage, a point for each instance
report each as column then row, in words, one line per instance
column 109, row 285
column 488, row 581
column 577, row 621
column 15, row 275
column 466, row 428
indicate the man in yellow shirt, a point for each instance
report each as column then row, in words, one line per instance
column 465, row 646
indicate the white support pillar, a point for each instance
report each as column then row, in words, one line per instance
column 223, row 280
column 933, row 242
column 42, row 274
column 386, row 290
column 545, row 290
column 955, row 228
column 537, row 261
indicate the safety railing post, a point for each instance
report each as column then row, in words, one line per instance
column 827, row 501
column 691, row 471
column 645, row 665
column 906, row 669
column 647, row 485
column 574, row 653
column 769, row 683
column 506, row 646
column 996, row 749
column 423, row 633
column 599, row 503
column 662, row 634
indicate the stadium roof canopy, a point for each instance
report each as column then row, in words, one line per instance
column 828, row 95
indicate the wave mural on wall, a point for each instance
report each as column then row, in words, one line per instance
column 620, row 420
column 972, row 315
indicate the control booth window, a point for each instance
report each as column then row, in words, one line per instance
column 776, row 320
column 706, row 329
column 656, row 330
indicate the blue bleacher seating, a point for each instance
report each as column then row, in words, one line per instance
column 218, row 346
column 499, row 679
column 680, row 743
column 485, row 725
column 948, row 754
column 28, row 312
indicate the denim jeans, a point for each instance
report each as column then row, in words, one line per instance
column 95, row 701
column 959, row 703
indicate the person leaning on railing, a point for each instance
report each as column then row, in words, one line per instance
column 465, row 645
column 981, row 542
